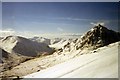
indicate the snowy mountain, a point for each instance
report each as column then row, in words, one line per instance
column 47, row 41
column 95, row 65
column 15, row 50
column 87, row 57
column 55, row 40
column 23, row 46
column 61, row 43
column 41, row 40
column 99, row 36
column 96, row 50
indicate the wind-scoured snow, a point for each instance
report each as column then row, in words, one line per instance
column 101, row 64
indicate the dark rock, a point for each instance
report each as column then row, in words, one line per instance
column 99, row 36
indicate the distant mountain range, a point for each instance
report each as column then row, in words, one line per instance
column 41, row 40
column 98, row 36
column 16, row 49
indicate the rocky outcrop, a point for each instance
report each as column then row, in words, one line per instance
column 99, row 36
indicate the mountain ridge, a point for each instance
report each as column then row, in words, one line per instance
column 99, row 36
column 24, row 46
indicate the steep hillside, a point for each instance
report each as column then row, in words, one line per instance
column 100, row 64
column 15, row 50
column 23, row 46
column 94, row 45
column 4, row 55
column 99, row 36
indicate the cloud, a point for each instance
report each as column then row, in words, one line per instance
column 60, row 29
column 26, row 34
column 73, row 19
column 7, row 32
column 96, row 24
column 62, row 18
column 12, row 32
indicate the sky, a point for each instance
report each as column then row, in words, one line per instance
column 58, row 17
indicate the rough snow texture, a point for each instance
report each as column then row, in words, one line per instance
column 101, row 64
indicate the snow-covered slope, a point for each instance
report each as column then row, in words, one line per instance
column 86, row 53
column 101, row 64
column 97, row 37
column 61, row 43
column 15, row 50
column 55, row 40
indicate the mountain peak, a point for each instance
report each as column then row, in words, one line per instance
column 24, row 46
column 99, row 36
